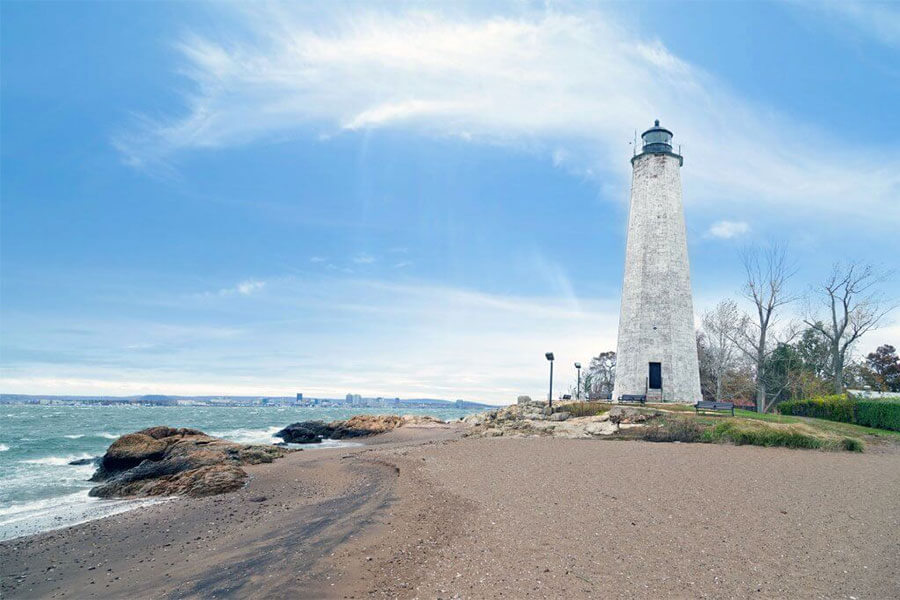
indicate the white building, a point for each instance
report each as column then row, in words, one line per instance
column 657, row 349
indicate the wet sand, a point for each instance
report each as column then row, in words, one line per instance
column 421, row 513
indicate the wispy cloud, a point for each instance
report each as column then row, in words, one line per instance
column 402, row 264
column 877, row 20
column 570, row 84
column 363, row 258
column 728, row 229
column 244, row 288
column 316, row 259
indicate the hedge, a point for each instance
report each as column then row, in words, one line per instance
column 833, row 408
column 882, row 414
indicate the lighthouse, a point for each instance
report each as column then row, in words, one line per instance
column 656, row 352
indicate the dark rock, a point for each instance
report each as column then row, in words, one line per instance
column 165, row 460
column 95, row 460
column 307, row 432
column 311, row 432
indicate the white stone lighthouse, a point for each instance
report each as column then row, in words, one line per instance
column 657, row 349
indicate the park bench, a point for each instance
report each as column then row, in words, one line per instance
column 632, row 399
column 716, row 406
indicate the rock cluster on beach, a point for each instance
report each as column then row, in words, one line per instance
column 162, row 461
column 313, row 432
column 536, row 418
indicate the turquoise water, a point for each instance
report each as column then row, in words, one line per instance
column 40, row 490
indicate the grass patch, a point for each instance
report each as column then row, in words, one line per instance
column 676, row 429
column 835, row 427
column 792, row 435
column 671, row 406
column 583, row 409
column 770, row 417
column 744, row 431
column 852, row 444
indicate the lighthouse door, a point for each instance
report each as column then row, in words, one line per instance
column 655, row 379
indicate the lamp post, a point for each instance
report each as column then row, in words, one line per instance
column 549, row 356
column 578, row 389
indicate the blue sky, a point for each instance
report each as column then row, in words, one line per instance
column 409, row 199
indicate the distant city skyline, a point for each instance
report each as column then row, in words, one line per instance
column 351, row 400
column 409, row 199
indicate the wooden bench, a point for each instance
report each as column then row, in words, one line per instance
column 715, row 406
column 632, row 399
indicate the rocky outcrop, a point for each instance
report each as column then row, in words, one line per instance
column 162, row 461
column 535, row 418
column 313, row 432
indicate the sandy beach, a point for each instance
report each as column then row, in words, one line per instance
column 422, row 512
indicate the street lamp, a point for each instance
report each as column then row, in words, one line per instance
column 578, row 389
column 549, row 356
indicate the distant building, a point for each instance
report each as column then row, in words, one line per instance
column 299, row 397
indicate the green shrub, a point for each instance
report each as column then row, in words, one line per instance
column 834, row 408
column 883, row 414
column 852, row 444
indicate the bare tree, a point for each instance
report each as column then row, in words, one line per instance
column 767, row 273
column 602, row 374
column 720, row 327
column 853, row 305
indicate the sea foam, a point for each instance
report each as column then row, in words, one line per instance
column 57, row 461
column 250, row 436
column 26, row 518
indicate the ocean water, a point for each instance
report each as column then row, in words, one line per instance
column 40, row 490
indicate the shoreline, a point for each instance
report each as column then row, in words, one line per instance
column 426, row 512
column 74, row 508
column 77, row 508
column 293, row 509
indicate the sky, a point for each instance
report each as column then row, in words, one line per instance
column 410, row 199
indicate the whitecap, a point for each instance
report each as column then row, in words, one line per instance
column 56, row 461
column 250, row 436
column 74, row 436
column 3, row 447
column 109, row 436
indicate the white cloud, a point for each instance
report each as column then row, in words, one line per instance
column 363, row 258
column 573, row 85
column 244, row 288
column 402, row 264
column 329, row 337
column 316, row 259
column 248, row 287
column 728, row 229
